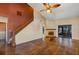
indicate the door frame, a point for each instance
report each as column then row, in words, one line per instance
column 4, row 19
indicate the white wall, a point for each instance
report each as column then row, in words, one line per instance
column 32, row 31
column 50, row 24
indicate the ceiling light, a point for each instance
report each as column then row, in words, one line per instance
column 49, row 11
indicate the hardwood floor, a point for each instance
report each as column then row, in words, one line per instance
column 40, row 47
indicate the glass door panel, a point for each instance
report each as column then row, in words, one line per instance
column 64, row 31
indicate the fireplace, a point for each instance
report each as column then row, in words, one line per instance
column 50, row 32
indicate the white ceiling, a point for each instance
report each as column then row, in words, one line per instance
column 67, row 10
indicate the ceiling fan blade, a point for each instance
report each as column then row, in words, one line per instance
column 46, row 5
column 42, row 10
column 55, row 5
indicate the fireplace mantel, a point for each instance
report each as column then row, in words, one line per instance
column 50, row 29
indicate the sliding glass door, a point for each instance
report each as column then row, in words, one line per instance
column 64, row 31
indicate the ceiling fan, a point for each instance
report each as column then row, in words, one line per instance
column 49, row 7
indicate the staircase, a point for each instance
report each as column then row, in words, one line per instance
column 19, row 16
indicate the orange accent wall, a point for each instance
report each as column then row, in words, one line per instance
column 17, row 13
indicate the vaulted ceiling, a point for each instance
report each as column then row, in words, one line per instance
column 66, row 10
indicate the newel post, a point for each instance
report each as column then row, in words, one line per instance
column 13, row 43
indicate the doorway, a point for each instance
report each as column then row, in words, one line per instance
column 3, row 31
column 65, row 31
column 2, row 34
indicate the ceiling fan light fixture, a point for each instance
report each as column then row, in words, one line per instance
column 48, row 7
column 49, row 11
